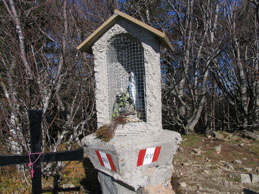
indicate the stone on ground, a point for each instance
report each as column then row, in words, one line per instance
column 159, row 189
column 218, row 149
column 255, row 178
column 245, row 178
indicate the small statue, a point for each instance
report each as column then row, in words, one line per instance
column 125, row 102
column 132, row 89
column 122, row 105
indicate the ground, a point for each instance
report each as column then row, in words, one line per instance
column 202, row 166
column 213, row 165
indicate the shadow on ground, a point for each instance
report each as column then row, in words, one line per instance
column 175, row 184
column 247, row 191
column 90, row 182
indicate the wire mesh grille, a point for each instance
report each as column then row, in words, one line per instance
column 126, row 76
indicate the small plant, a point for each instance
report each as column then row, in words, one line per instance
column 106, row 132
column 237, row 179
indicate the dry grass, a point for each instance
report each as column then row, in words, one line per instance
column 12, row 182
column 106, row 132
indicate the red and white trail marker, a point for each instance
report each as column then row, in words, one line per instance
column 147, row 156
column 105, row 160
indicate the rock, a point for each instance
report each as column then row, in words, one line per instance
column 69, row 185
column 185, row 164
column 218, row 135
column 180, row 149
column 207, row 172
column 158, row 189
column 229, row 166
column 183, row 184
column 241, row 145
column 209, row 133
column 237, row 162
column 251, row 135
column 196, row 151
column 245, row 178
column 255, row 178
column 249, row 178
column 217, row 149
column 248, row 169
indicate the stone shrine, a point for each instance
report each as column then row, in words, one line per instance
column 128, row 85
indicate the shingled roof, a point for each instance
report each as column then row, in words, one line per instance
column 86, row 45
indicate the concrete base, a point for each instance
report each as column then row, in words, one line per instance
column 110, row 185
column 118, row 160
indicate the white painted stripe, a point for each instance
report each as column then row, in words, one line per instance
column 105, row 160
column 149, row 155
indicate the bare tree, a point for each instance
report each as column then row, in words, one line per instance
column 193, row 28
column 187, row 70
column 236, row 72
column 41, row 69
column 211, row 78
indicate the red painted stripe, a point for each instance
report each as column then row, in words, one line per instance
column 111, row 162
column 99, row 157
column 156, row 154
column 141, row 156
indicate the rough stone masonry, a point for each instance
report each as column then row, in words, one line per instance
column 139, row 156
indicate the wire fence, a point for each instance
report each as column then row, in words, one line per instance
column 126, row 77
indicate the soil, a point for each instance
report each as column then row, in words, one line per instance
column 213, row 165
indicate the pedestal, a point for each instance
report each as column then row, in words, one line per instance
column 129, row 163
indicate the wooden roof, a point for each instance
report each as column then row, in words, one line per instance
column 87, row 44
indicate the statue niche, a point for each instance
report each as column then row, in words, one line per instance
column 126, row 77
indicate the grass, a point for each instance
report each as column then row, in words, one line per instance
column 191, row 140
column 73, row 173
column 234, row 178
column 211, row 154
column 254, row 148
column 11, row 182
column 237, row 178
